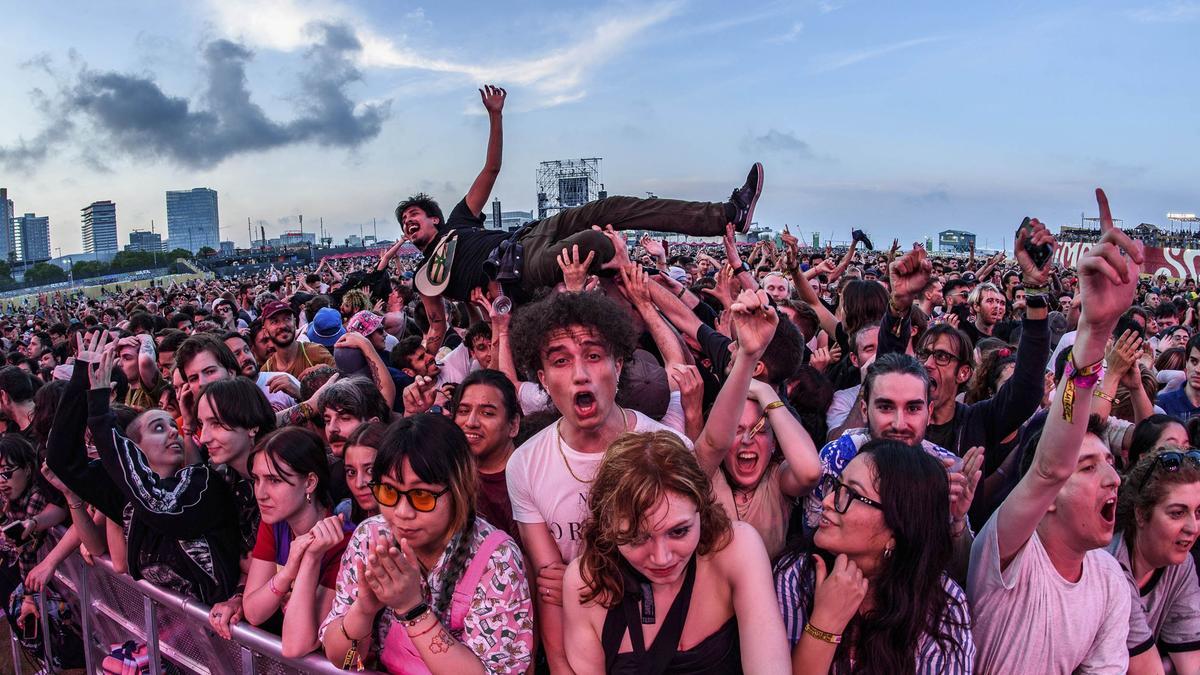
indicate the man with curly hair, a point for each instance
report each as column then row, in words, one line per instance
column 576, row 344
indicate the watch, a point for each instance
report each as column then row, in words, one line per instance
column 413, row 615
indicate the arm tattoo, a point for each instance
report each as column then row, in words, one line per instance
column 442, row 642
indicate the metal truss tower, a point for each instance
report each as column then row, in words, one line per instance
column 564, row 183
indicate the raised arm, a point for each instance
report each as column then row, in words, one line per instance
column 801, row 468
column 636, row 287
column 754, row 323
column 1108, row 275
column 379, row 371
column 828, row 321
column 481, row 189
column 435, row 311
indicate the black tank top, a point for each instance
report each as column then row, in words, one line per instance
column 717, row 654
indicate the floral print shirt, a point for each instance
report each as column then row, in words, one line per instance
column 498, row 626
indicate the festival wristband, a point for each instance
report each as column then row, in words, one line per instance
column 831, row 638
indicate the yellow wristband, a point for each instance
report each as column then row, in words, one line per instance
column 831, row 638
column 773, row 405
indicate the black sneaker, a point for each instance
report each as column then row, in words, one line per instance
column 744, row 198
column 860, row 236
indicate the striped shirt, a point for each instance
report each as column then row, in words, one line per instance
column 794, row 586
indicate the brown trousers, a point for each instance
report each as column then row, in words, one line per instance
column 547, row 238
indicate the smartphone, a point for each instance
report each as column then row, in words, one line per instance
column 14, row 531
column 652, row 270
column 1039, row 254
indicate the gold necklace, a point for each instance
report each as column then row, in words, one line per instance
column 559, row 442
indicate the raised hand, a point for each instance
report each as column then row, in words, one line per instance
column 724, row 289
column 909, row 275
column 686, row 379
column 963, row 483
column 620, row 250
column 823, row 357
column 1108, row 273
column 419, row 396
column 493, row 98
column 1031, row 274
column 731, row 252
column 838, row 593
column 789, row 240
column 754, row 322
column 635, row 286
column 654, row 247
column 575, row 271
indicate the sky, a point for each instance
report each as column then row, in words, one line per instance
column 902, row 119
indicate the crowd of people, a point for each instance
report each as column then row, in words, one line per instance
column 559, row 450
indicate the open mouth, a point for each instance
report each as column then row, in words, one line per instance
column 585, row 404
column 746, row 461
column 473, row 438
column 1109, row 510
column 411, row 228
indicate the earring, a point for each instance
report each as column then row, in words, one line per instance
column 887, row 552
column 308, row 497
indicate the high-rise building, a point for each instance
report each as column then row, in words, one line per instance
column 30, row 238
column 192, row 221
column 99, row 227
column 6, row 219
column 148, row 242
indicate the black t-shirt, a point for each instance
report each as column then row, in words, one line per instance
column 474, row 246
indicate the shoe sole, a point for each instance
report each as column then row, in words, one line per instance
column 749, row 219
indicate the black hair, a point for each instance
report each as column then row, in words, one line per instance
column 302, row 451
column 911, row 600
column 402, row 353
column 533, row 324
column 477, row 329
column 1146, row 433
column 190, row 348
column 1165, row 310
column 886, row 364
column 238, row 402
column 784, row 353
column 491, row 378
column 1192, row 343
column 18, row 384
column 423, row 202
column 438, row 453
column 16, row 451
column 811, row 397
column 171, row 339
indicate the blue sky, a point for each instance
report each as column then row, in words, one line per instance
column 900, row 118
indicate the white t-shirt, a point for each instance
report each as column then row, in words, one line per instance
column 840, row 407
column 533, row 398
column 542, row 489
column 279, row 400
column 1028, row 619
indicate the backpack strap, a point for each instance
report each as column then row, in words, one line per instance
column 465, row 589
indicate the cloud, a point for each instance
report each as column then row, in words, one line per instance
column 844, row 59
column 557, row 76
column 791, row 35
column 1178, row 11
column 781, row 142
column 137, row 118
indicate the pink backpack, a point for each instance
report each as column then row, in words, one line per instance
column 399, row 654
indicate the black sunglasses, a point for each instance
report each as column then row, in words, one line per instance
column 940, row 356
column 843, row 494
column 1171, row 461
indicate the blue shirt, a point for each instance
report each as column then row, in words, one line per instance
column 1176, row 403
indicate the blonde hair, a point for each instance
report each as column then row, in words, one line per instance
column 637, row 472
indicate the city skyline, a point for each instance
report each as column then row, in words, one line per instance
column 903, row 120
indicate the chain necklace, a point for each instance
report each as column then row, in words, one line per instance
column 559, row 442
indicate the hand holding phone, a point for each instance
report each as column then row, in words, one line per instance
column 1038, row 253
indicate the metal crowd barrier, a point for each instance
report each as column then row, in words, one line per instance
column 113, row 608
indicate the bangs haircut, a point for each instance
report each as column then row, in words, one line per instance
column 190, row 348
column 302, row 451
column 533, row 324
column 368, row 435
column 238, row 402
column 490, row 378
column 960, row 340
column 16, row 452
column 357, row 396
column 438, row 453
column 638, row 470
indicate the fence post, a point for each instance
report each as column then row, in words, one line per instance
column 85, row 613
column 44, row 627
column 151, row 611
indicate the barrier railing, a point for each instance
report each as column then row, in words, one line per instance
column 114, row 607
